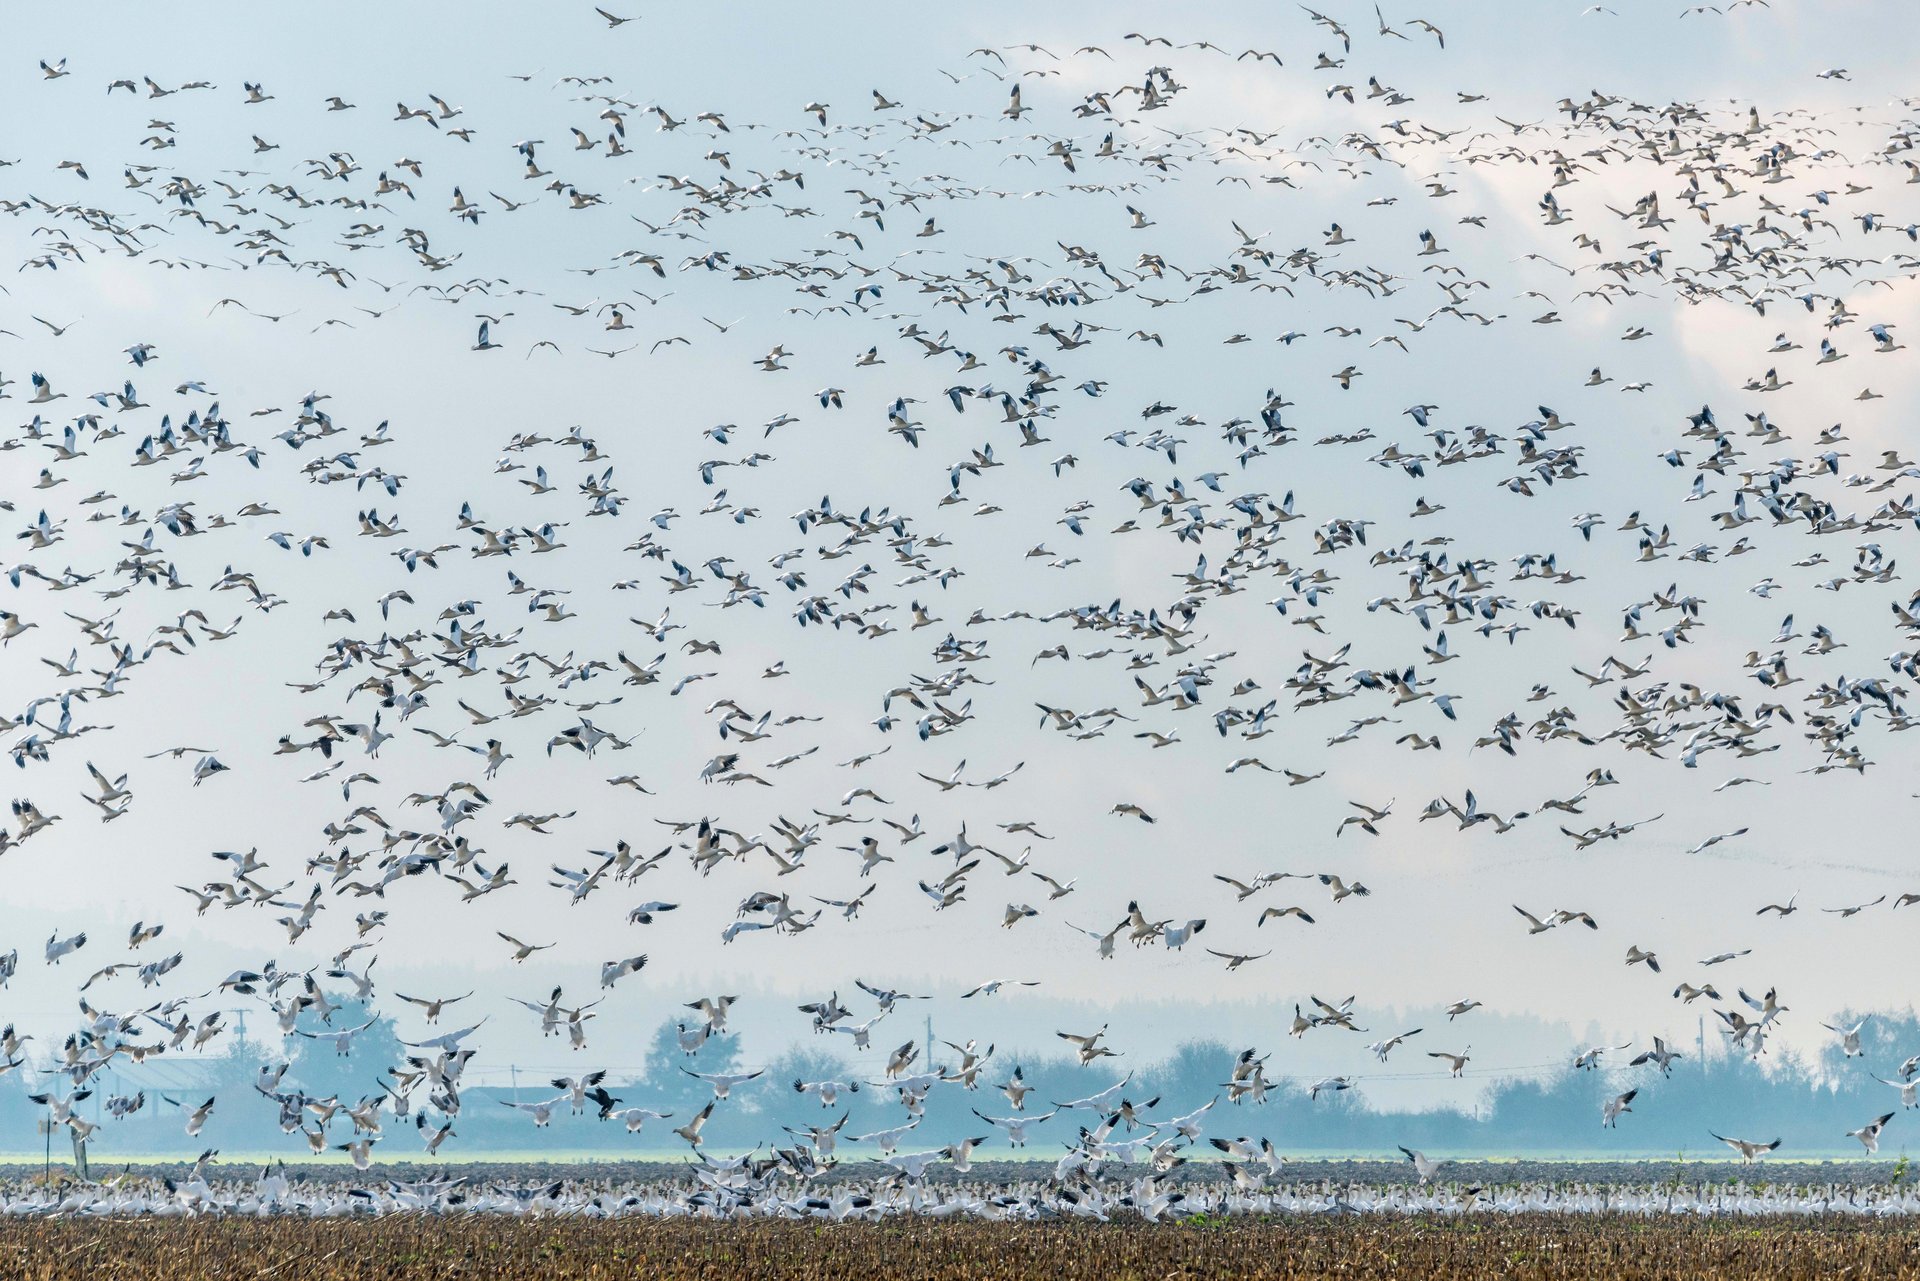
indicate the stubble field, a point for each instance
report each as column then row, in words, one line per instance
column 405, row 1247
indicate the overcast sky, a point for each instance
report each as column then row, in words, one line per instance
column 1439, row 924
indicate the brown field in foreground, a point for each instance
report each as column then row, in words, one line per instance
column 407, row 1247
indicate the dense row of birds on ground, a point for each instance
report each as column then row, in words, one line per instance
column 756, row 1189
column 977, row 379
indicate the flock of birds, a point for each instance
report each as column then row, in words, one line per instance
column 989, row 381
column 732, row 1191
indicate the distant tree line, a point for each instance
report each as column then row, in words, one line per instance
column 1808, row 1104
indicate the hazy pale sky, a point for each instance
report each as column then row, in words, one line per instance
column 1439, row 924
